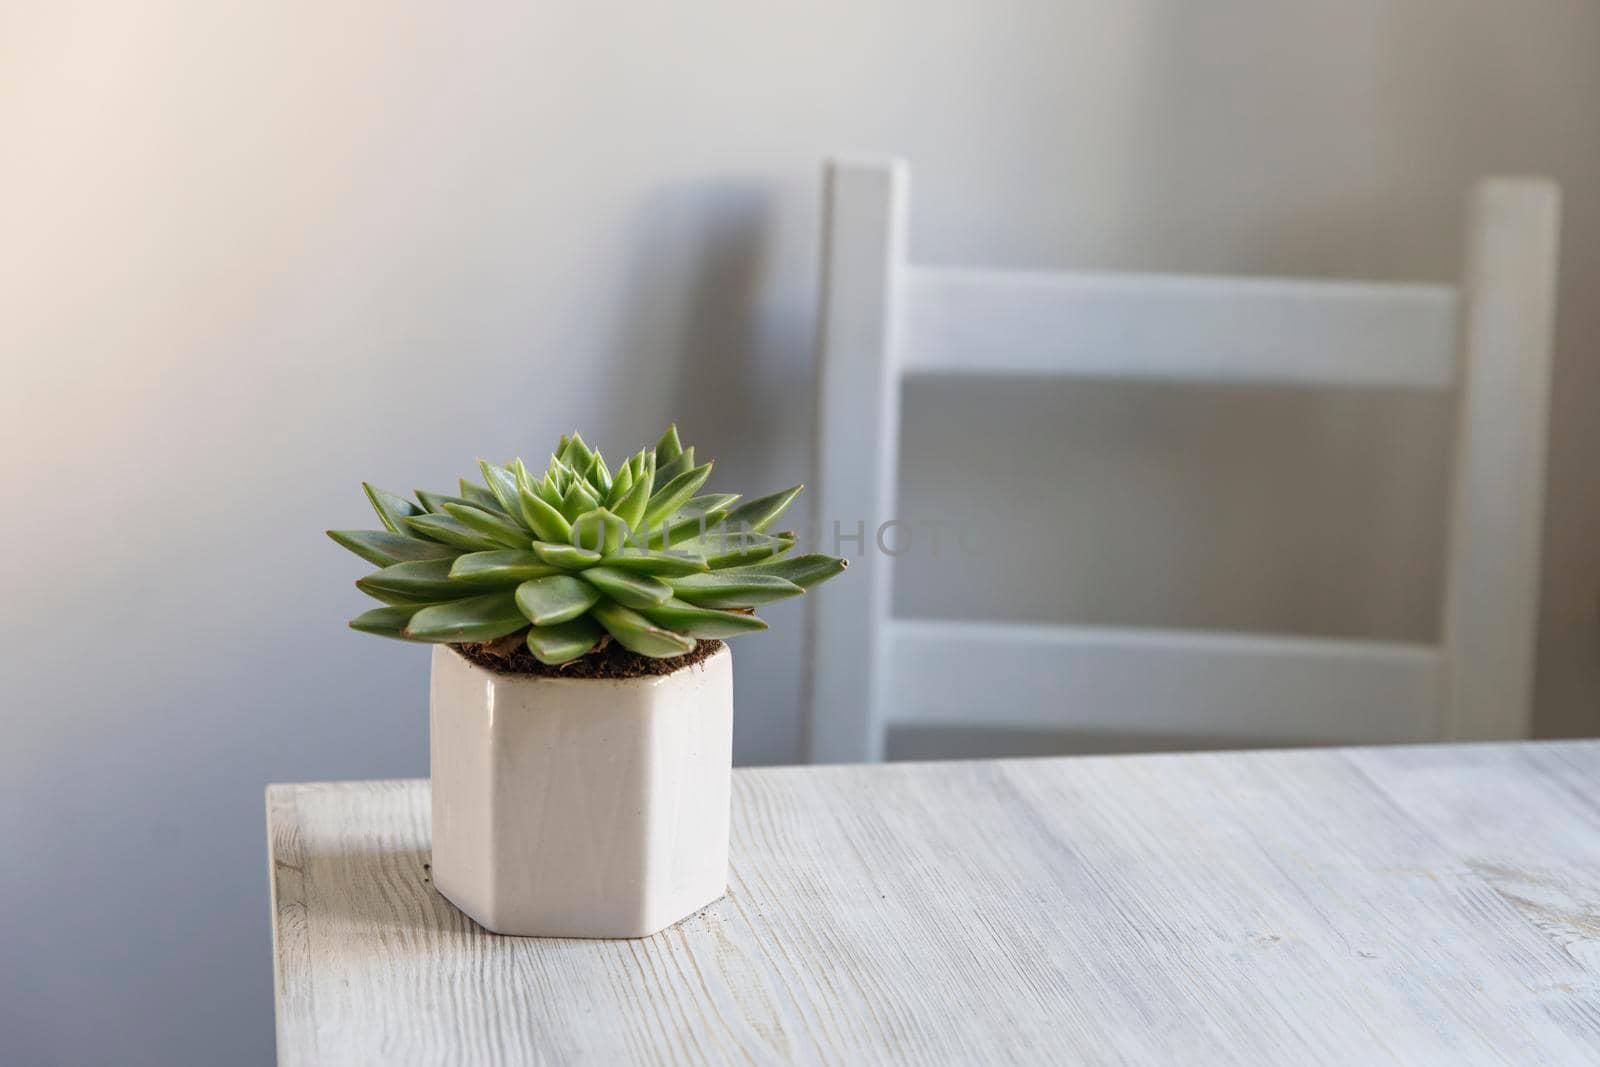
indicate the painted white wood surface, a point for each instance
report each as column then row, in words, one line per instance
column 1491, row 613
column 1432, row 904
column 1180, row 328
column 884, row 318
column 1282, row 690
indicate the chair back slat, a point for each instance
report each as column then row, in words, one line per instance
column 1490, row 338
column 1202, row 329
column 1247, row 688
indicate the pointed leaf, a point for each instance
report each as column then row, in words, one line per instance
column 547, row 522
column 599, row 531
column 492, row 525
column 478, row 496
column 564, row 641
column 504, row 565
column 669, row 447
column 676, row 532
column 383, row 548
column 599, row 476
column 435, row 502
column 671, row 564
column 385, row 622
column 757, row 514
column 723, row 547
column 685, row 618
column 567, row 557
column 559, row 478
column 638, row 634
column 631, row 508
column 502, row 485
column 578, row 499
column 425, row 580
column 732, row 589
column 628, row 588
column 620, row 484
column 673, row 495
column 446, row 529
column 392, row 510
column 557, row 598
column 576, row 454
column 804, row 571
column 478, row 618
column 666, row 470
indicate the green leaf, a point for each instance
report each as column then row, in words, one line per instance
column 669, row 447
column 575, row 453
column 627, row 588
column 676, row 493
column 686, row 618
column 392, row 510
column 723, row 547
column 478, row 618
column 620, row 484
column 698, row 515
column 425, row 580
column 547, row 522
column 567, row 557
column 478, row 496
column 435, row 502
column 502, row 485
column 630, row 509
column 578, row 499
column 666, row 470
column 560, row 476
column 656, row 563
column 599, row 531
column 638, row 634
column 383, row 548
column 804, row 571
column 503, row 565
column 757, row 514
column 732, row 589
column 599, row 476
column 447, row 530
column 564, row 641
column 492, row 525
column 385, row 622
column 557, row 598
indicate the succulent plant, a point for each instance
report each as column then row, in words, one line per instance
column 580, row 556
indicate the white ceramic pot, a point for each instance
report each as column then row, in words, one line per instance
column 572, row 807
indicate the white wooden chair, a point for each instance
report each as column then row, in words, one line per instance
column 1488, row 338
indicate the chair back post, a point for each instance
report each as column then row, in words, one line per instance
column 1490, row 618
column 858, row 407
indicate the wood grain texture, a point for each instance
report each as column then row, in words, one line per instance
column 1436, row 904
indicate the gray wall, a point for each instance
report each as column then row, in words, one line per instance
column 253, row 253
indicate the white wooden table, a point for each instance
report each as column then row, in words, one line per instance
column 1428, row 904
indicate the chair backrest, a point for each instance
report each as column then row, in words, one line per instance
column 1488, row 338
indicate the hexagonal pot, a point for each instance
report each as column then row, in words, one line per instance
column 579, row 807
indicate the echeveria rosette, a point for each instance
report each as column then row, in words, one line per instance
column 580, row 553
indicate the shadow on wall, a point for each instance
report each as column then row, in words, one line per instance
column 690, row 325
column 706, row 331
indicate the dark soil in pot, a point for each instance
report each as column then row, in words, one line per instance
column 612, row 661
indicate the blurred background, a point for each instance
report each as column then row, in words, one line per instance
column 254, row 253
